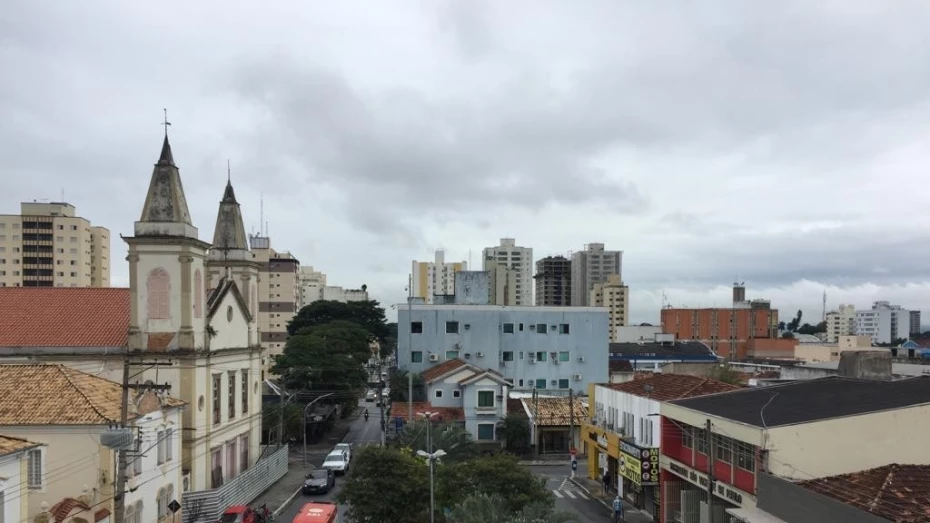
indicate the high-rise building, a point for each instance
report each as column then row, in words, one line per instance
column 590, row 266
column 504, row 284
column 915, row 324
column 553, row 282
column 311, row 283
column 519, row 259
column 278, row 295
column 885, row 322
column 47, row 245
column 841, row 322
column 435, row 278
column 615, row 296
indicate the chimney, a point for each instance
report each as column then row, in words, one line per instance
column 866, row 365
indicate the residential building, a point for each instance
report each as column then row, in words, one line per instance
column 14, row 471
column 841, row 322
column 435, row 278
column 553, row 281
column 590, row 266
column 915, row 330
column 511, row 256
column 758, row 429
column 312, row 287
column 555, row 422
column 206, row 345
column 651, row 356
column 819, row 352
column 48, row 245
column 615, row 296
column 532, row 347
column 636, row 333
column 504, row 284
column 278, row 296
column 885, row 322
column 69, row 413
column 623, row 432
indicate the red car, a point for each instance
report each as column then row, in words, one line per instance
column 239, row 514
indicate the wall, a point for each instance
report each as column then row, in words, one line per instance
column 703, row 370
column 610, row 405
column 448, row 386
column 587, row 340
column 635, row 333
column 475, row 416
column 796, row 504
column 146, row 486
column 231, row 326
column 712, row 326
column 815, row 450
column 15, row 498
column 472, row 287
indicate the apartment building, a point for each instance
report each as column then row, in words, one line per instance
column 884, row 322
column 590, row 266
column 517, row 259
column 48, row 245
column 841, row 322
column 504, row 284
column 311, row 283
column 553, row 282
column 435, row 278
column 278, row 295
column 915, row 323
column 615, row 296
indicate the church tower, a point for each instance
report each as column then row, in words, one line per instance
column 230, row 257
column 166, row 268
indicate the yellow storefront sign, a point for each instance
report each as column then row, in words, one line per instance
column 639, row 465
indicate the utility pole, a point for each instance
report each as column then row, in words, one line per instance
column 409, row 347
column 281, row 416
column 381, row 400
column 535, row 421
column 119, row 497
column 711, row 455
column 571, row 418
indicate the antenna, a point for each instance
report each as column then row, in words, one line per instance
column 824, row 316
column 62, row 195
column 261, row 214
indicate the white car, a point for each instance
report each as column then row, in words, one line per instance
column 345, row 448
column 337, row 461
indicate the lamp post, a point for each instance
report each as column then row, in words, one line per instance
column 431, row 456
column 307, row 409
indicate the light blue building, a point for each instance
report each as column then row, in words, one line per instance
column 533, row 347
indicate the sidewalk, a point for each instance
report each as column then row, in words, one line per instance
column 595, row 489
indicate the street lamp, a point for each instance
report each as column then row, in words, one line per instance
column 431, row 456
column 307, row 409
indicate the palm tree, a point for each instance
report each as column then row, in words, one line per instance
column 449, row 436
column 482, row 508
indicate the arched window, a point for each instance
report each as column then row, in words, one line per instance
column 198, row 294
column 158, row 286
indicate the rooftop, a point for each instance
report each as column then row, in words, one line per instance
column 402, row 307
column 895, row 492
column 441, row 369
column 553, row 412
column 652, row 348
column 399, row 410
column 668, row 387
column 63, row 317
column 811, row 400
column 10, row 445
column 897, row 369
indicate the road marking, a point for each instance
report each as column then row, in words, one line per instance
column 582, row 494
column 569, row 494
column 557, row 493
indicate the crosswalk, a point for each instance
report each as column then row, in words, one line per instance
column 569, row 490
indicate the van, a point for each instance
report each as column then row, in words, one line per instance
column 318, row 512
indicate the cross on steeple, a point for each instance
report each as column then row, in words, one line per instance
column 166, row 123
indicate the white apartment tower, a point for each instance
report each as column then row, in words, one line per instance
column 841, row 322
column 436, row 277
column 590, row 266
column 615, row 296
column 884, row 322
column 517, row 259
column 311, row 283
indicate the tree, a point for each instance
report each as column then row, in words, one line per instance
column 367, row 314
column 787, row 335
column 390, row 342
column 795, row 323
column 781, row 326
column 399, row 387
column 482, row 508
column 515, row 431
column 325, row 357
column 293, row 420
column 386, row 486
column 495, row 474
column 726, row 374
column 448, row 436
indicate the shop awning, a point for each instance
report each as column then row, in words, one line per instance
column 753, row 515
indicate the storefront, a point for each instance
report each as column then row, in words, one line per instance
column 639, row 473
column 685, row 489
column 603, row 451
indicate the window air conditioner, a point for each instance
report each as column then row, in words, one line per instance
column 577, row 377
column 434, row 357
column 479, row 354
column 580, row 359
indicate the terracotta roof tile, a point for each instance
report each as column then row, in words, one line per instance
column 10, row 445
column 438, row 370
column 399, row 410
column 620, row 366
column 550, row 412
column 65, row 507
column 59, row 395
column 63, row 316
column 101, row 514
column 668, row 387
column 895, row 492
column 515, row 406
column 159, row 342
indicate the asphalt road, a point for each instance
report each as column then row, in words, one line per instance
column 573, row 499
column 361, row 433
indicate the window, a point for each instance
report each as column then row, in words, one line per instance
column 687, row 437
column 231, row 456
column 438, row 393
column 541, row 328
column 700, row 441
column 541, row 355
column 564, row 356
column 485, row 431
column 232, row 394
column 486, row 399
column 35, row 469
column 416, row 356
column 541, row 383
column 564, row 329
column 508, row 328
column 217, row 381
column 745, row 456
column 452, row 354
column 452, row 327
column 563, row 384
column 161, row 446
column 416, row 327
column 169, row 445
column 507, row 356
column 164, row 498
column 245, row 391
column 244, row 453
column 136, row 466
column 456, row 394
column 724, row 448
column 158, row 286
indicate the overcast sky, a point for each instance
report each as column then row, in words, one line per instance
column 782, row 143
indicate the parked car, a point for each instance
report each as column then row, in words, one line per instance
column 239, row 514
column 344, row 447
column 337, row 461
column 371, row 396
column 319, row 481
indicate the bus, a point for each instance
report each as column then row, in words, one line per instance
column 318, row 512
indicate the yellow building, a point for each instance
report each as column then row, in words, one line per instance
column 615, row 296
column 46, row 245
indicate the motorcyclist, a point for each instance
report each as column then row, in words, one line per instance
column 366, row 414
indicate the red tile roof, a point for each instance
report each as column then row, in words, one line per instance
column 554, row 412
column 668, row 387
column 515, row 406
column 399, row 410
column 895, row 492
column 440, row 369
column 63, row 317
column 64, row 508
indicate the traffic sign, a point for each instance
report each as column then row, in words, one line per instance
column 573, row 451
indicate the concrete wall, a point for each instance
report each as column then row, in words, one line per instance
column 472, row 287
column 15, row 504
column 796, row 504
column 703, row 370
column 610, row 406
column 231, row 326
column 448, row 387
column 633, row 334
column 156, row 476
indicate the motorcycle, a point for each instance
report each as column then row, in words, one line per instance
column 366, row 416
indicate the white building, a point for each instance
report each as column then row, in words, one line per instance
column 590, row 266
column 14, row 500
column 615, row 296
column 520, row 260
column 841, row 322
column 435, row 278
column 636, row 333
column 884, row 322
column 311, row 284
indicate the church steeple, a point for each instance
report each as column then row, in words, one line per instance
column 229, row 234
column 165, row 212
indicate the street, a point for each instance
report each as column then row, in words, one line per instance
column 361, row 433
column 571, row 498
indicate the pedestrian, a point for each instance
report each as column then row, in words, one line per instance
column 606, row 482
column 618, row 509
